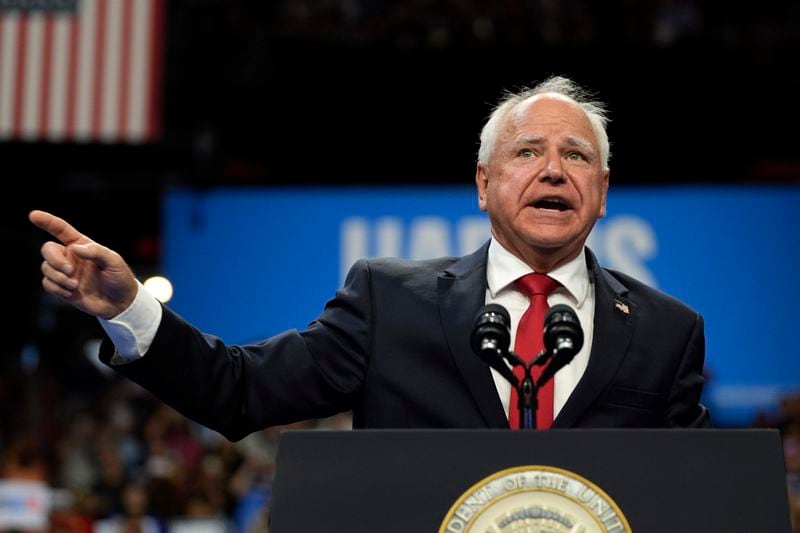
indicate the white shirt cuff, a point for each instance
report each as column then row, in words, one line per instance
column 133, row 330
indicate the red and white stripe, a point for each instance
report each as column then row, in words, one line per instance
column 88, row 76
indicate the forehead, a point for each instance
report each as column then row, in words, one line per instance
column 549, row 114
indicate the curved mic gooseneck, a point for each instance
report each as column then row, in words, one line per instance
column 490, row 340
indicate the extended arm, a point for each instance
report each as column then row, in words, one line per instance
column 240, row 389
column 233, row 389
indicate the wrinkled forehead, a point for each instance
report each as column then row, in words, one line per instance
column 570, row 111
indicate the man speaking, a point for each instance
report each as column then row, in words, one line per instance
column 393, row 345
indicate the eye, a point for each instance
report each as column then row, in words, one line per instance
column 576, row 156
column 525, row 152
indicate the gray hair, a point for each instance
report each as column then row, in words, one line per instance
column 559, row 87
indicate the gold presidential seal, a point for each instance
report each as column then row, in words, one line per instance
column 535, row 499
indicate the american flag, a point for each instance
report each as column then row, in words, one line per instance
column 81, row 70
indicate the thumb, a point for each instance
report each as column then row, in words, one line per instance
column 92, row 251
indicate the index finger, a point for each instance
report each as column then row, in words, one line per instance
column 55, row 226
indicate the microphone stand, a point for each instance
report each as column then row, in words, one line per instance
column 527, row 401
column 527, row 389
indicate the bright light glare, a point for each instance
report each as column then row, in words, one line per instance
column 160, row 287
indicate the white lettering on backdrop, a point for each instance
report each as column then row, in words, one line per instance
column 621, row 242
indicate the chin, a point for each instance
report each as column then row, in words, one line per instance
column 550, row 240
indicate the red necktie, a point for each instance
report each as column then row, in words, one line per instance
column 530, row 342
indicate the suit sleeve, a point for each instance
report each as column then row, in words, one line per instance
column 684, row 408
column 289, row 377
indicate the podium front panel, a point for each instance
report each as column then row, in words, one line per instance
column 407, row 480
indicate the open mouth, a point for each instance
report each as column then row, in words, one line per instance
column 552, row 204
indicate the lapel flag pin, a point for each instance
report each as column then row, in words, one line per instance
column 622, row 307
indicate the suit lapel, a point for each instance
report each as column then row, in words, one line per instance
column 462, row 292
column 614, row 323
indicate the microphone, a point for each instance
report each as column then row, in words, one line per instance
column 562, row 331
column 563, row 337
column 490, row 338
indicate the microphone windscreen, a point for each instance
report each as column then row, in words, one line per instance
column 497, row 309
column 561, row 322
column 492, row 321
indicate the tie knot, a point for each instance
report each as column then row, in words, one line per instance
column 535, row 283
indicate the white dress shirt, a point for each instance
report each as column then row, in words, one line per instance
column 576, row 291
column 133, row 330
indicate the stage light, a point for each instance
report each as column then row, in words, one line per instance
column 160, row 287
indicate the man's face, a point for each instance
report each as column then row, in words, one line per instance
column 544, row 186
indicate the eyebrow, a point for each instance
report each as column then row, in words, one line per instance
column 580, row 142
column 529, row 139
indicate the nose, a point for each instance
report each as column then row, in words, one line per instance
column 553, row 170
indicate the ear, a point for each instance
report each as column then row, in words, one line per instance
column 604, row 193
column 482, row 182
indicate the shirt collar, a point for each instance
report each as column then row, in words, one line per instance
column 503, row 268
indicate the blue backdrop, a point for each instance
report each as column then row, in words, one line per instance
column 248, row 263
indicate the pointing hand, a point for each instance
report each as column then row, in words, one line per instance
column 86, row 274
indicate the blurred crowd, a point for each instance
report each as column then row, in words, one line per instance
column 788, row 421
column 92, row 452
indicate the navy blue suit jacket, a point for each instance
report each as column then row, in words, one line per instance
column 393, row 347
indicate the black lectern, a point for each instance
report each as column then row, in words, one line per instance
column 406, row 480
